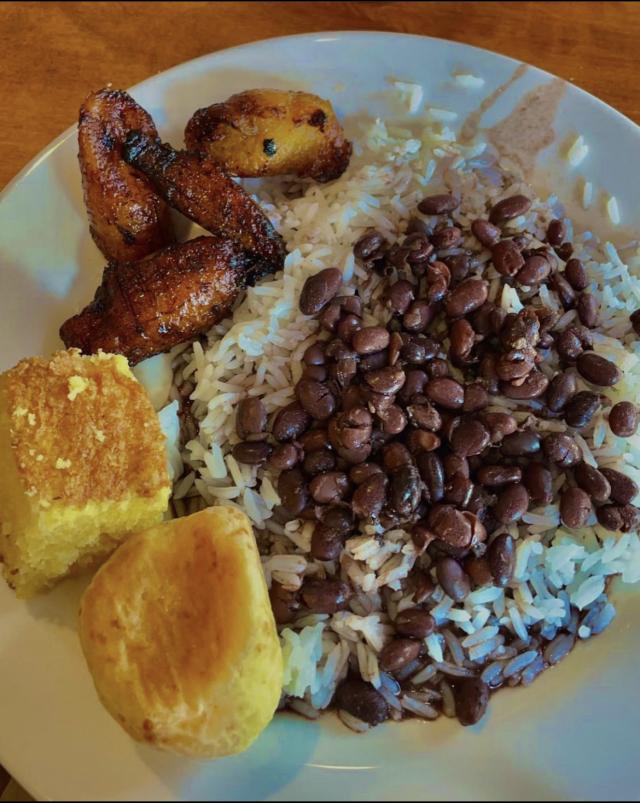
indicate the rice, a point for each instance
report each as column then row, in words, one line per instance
column 257, row 353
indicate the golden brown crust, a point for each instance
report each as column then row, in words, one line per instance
column 179, row 636
column 197, row 187
column 127, row 219
column 68, row 411
column 270, row 132
column 147, row 307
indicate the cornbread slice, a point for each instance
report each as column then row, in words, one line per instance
column 179, row 636
column 82, row 464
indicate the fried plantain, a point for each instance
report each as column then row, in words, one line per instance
column 147, row 307
column 271, row 132
column 127, row 218
column 196, row 186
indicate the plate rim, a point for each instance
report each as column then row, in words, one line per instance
column 317, row 37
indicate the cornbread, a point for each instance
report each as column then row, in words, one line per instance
column 179, row 636
column 82, row 464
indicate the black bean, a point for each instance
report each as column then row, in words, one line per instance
column 318, row 373
column 325, row 596
column 418, row 316
column 290, row 422
column 421, row 536
column 370, row 339
column 293, row 491
column 588, row 308
column 394, row 455
column 561, row 388
column 421, row 440
column 501, row 556
column 576, row 275
column 499, row 425
column 561, row 449
column 438, row 279
column 506, row 258
column 623, row 419
column 445, row 392
column 362, row 701
column 415, row 380
column 471, row 699
column 437, row 368
column 623, row 488
column 625, row 518
column 581, row 408
column 450, row 525
column 458, row 491
column 459, row 266
column 453, row 579
column 253, row 453
column 396, row 344
column 318, row 462
column 520, row 444
column 373, row 362
column 572, row 342
column 468, row 296
column 635, row 321
column 393, row 420
column 469, row 438
column 556, row 232
column 563, row 289
column 575, row 507
column 418, row 349
column 515, row 364
column 486, row 233
column 509, row 208
column 405, row 489
column 369, row 244
column 419, row 250
column 438, row 204
column 455, row 464
column 593, row 482
column 475, row 398
column 564, row 251
column 314, row 355
column 400, row 295
column 316, row 399
column 539, row 483
column 347, row 326
column 285, row 456
column 462, row 338
column 598, row 370
column 449, row 237
column 535, row 271
column 329, row 534
column 251, row 418
column 387, row 380
column 415, row 623
column 521, row 330
column 358, row 474
column 369, row 497
column 512, row 503
column 432, row 473
column 479, row 571
column 329, row 487
column 424, row 416
column 398, row 653
column 534, row 385
column 284, row 604
column 318, row 290
column 496, row 476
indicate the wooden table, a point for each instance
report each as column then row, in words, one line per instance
column 54, row 53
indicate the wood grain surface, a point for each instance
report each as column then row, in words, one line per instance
column 54, row 53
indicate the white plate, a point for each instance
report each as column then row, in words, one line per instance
column 573, row 735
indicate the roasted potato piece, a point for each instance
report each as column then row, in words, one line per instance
column 147, row 307
column 271, row 132
column 127, row 218
column 196, row 186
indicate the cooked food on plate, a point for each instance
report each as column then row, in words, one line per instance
column 82, row 465
column 272, row 132
column 127, row 218
column 413, row 385
column 196, row 186
column 143, row 308
column 179, row 636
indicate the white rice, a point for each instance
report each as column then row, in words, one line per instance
column 258, row 352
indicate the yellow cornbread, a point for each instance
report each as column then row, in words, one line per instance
column 82, row 464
